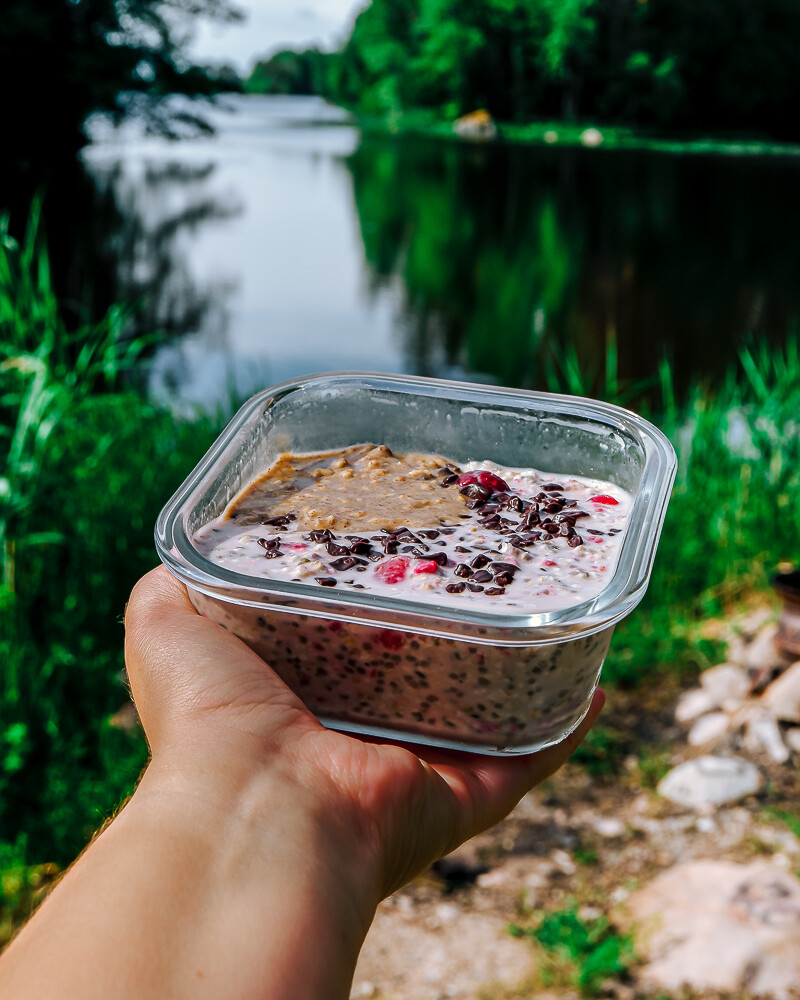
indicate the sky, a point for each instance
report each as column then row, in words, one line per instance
column 275, row 24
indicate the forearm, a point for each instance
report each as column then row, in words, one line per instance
column 215, row 887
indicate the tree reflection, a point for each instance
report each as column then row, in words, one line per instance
column 509, row 257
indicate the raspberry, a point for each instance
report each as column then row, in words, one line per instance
column 549, row 562
column 486, row 479
column 426, row 566
column 390, row 639
column 604, row 498
column 393, row 571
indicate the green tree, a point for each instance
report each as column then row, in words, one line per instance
column 289, row 72
column 60, row 60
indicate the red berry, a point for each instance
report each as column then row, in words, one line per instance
column 393, row 571
column 549, row 562
column 426, row 566
column 486, row 479
column 390, row 639
column 604, row 498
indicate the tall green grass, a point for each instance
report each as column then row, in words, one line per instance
column 86, row 463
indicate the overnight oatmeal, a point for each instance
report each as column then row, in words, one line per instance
column 416, row 526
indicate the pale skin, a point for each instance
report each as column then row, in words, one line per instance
column 250, row 860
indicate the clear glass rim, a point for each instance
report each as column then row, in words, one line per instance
column 623, row 591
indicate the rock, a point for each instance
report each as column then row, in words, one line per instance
column 708, row 729
column 692, row 704
column 715, row 925
column 750, row 624
column 608, row 826
column 591, row 137
column 762, row 735
column 761, row 658
column 782, row 697
column 793, row 739
column 476, row 125
column 550, row 136
column 710, row 781
column 725, row 683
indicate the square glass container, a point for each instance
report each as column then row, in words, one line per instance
column 465, row 678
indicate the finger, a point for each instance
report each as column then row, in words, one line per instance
column 182, row 663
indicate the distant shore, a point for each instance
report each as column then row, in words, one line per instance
column 573, row 135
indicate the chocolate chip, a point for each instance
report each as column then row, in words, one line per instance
column 375, row 556
column 474, row 491
column 494, row 591
column 448, row 531
column 553, row 508
column 269, row 543
column 575, row 541
column 438, row 557
column 272, row 554
column 360, row 546
column 565, row 530
column 515, row 503
column 432, row 533
column 323, row 535
column 479, row 562
column 552, row 487
column 474, row 504
column 337, row 550
column 462, row 570
column 503, row 579
column 325, row 581
column 504, row 567
column 476, row 588
column 455, row 588
column 481, row 576
column 462, row 548
column 279, row 519
column 346, row 562
column 449, row 480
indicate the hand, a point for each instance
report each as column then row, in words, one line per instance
column 211, row 707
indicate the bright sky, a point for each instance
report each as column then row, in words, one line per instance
column 275, row 24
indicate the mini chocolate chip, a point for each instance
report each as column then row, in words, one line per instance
column 479, row 561
column 503, row 579
column 272, row 553
column 476, row 588
column 474, row 504
column 447, row 531
column 361, row 547
column 462, row 548
column 449, row 480
column 432, row 533
column 474, row 491
column 515, row 503
column 359, row 586
column 552, row 487
column 462, row 570
column 375, row 556
column 346, row 562
column 494, row 591
column 323, row 535
column 481, row 576
column 337, row 550
column 455, row 588
column 575, row 541
column 325, row 581
column 269, row 543
column 279, row 519
column 504, row 567
column 565, row 530
column 438, row 557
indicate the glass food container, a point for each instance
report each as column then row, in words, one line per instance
column 467, row 678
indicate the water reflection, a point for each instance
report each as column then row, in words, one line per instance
column 287, row 244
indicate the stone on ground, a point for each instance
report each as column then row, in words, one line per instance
column 782, row 697
column 717, row 925
column 725, row 683
column 710, row 781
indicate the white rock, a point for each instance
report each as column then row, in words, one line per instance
column 708, row 729
column 716, row 925
column 608, row 826
column 762, row 734
column 710, row 781
column 591, row 137
column 782, row 697
column 793, row 739
column 705, row 824
column 550, row 136
column 692, row 704
column 762, row 652
column 725, row 683
column 563, row 862
column 364, row 991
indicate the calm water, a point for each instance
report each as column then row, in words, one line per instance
column 287, row 244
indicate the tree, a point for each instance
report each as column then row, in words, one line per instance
column 60, row 60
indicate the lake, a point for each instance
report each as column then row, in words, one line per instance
column 288, row 243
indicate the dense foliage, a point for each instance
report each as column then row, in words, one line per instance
column 60, row 60
column 668, row 64
column 289, row 72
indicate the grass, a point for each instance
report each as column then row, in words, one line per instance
column 578, row 952
column 86, row 463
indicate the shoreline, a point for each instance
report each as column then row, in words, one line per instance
column 553, row 135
